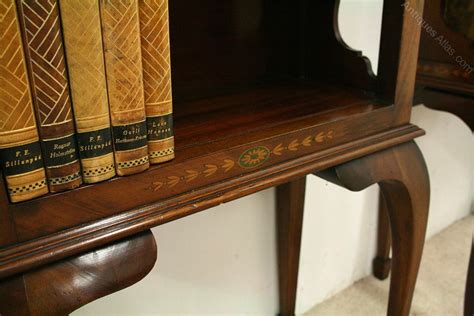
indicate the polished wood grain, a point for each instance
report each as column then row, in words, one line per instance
column 66, row 285
column 443, row 83
column 68, row 241
column 382, row 262
column 290, row 206
column 403, row 179
column 258, row 104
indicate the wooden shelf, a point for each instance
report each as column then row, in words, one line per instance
column 293, row 124
column 216, row 124
column 273, row 107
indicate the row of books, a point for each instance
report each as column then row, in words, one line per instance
column 85, row 92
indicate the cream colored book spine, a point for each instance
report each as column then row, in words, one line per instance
column 155, row 38
column 20, row 151
column 85, row 60
column 124, row 72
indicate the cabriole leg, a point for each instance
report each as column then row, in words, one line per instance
column 403, row 178
column 382, row 262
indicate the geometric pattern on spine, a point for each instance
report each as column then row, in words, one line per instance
column 133, row 163
column 123, row 55
column 42, row 26
column 86, row 58
column 94, row 172
column 65, row 179
column 27, row 188
column 16, row 111
column 162, row 153
column 156, row 52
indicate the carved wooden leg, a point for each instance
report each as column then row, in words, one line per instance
column 62, row 287
column 382, row 262
column 403, row 178
column 469, row 298
column 290, row 205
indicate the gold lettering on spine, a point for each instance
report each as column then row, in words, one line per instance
column 84, row 51
column 123, row 60
column 154, row 27
column 17, row 123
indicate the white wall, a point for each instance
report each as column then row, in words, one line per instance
column 223, row 261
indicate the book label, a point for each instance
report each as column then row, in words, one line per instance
column 95, row 144
column 60, row 151
column 129, row 137
column 21, row 159
column 160, row 127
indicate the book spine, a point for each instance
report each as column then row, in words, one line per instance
column 154, row 30
column 45, row 58
column 20, row 152
column 123, row 66
column 85, row 59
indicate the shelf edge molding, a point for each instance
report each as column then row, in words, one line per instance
column 40, row 251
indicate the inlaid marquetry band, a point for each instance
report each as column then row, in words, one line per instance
column 250, row 158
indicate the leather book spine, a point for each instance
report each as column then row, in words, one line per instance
column 85, row 60
column 45, row 59
column 155, row 39
column 124, row 72
column 20, row 151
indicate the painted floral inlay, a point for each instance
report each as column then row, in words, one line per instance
column 250, row 158
column 254, row 157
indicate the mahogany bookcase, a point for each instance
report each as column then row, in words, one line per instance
column 265, row 93
column 445, row 81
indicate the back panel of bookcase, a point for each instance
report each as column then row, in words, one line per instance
column 222, row 46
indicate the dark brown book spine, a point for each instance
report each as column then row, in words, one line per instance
column 20, row 152
column 45, row 57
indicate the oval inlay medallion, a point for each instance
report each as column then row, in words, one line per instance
column 254, row 157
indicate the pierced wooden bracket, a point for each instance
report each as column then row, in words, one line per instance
column 403, row 179
column 62, row 287
column 327, row 55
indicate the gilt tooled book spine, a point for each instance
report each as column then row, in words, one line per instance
column 85, row 59
column 20, row 151
column 154, row 30
column 45, row 58
column 124, row 72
